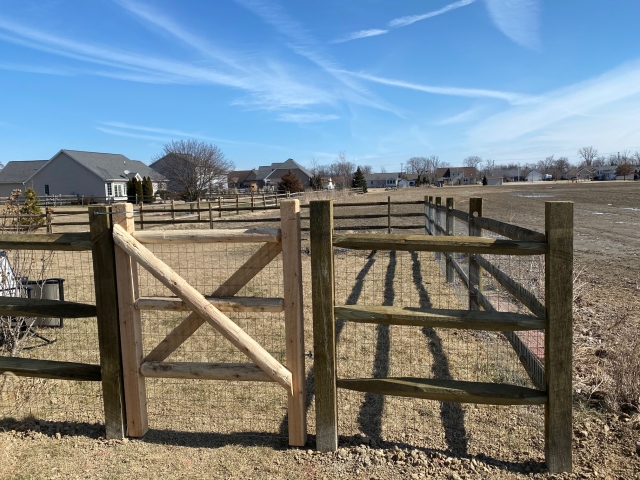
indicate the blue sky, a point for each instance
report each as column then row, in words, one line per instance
column 268, row 80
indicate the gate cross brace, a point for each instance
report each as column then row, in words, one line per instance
column 198, row 303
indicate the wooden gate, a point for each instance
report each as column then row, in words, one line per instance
column 131, row 252
column 555, row 320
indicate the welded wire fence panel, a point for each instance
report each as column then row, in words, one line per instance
column 419, row 279
column 75, row 341
column 221, row 407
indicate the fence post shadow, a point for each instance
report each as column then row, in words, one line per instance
column 451, row 413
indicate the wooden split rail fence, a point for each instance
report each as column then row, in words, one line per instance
column 553, row 389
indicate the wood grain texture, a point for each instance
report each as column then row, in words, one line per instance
column 225, row 304
column 510, row 231
column 40, row 307
column 231, row 286
column 28, row 367
column 442, row 318
column 294, row 320
column 135, row 393
column 249, row 235
column 438, row 244
column 324, row 325
column 449, row 231
column 447, row 390
column 205, row 371
column 51, row 241
column 196, row 302
column 559, row 335
column 104, row 274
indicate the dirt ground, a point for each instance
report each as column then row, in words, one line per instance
column 607, row 249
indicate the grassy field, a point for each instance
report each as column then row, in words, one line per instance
column 223, row 430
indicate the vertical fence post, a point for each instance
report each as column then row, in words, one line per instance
column 264, row 200
column 173, row 211
column 475, row 275
column 237, row 204
column 437, row 223
column 252, row 201
column 210, row 215
column 324, row 325
column 219, row 206
column 450, row 230
column 294, row 320
column 199, row 212
column 426, row 215
column 431, row 215
column 558, row 335
column 141, row 218
column 104, row 274
column 49, row 220
column 388, row 214
column 135, row 394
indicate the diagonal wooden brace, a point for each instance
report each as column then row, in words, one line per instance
column 230, row 287
column 196, row 301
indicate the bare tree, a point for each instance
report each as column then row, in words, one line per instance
column 489, row 166
column 562, row 166
column 192, row 168
column 314, row 166
column 588, row 155
column 343, row 170
column 419, row 165
column 599, row 161
column 636, row 158
column 472, row 161
column 366, row 169
column 624, row 169
column 383, row 169
column 546, row 165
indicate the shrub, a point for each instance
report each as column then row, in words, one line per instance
column 290, row 183
column 31, row 207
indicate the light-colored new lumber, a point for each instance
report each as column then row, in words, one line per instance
column 443, row 318
column 40, row 307
column 438, row 244
column 50, row 241
column 559, row 335
column 205, row 371
column 199, row 304
column 250, row 235
column 225, row 304
column 28, row 367
column 265, row 254
column 324, row 325
column 104, row 276
column 294, row 320
column 447, row 390
column 135, row 393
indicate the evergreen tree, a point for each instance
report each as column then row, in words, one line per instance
column 316, row 182
column 359, row 181
column 484, row 180
column 290, row 183
column 31, row 207
column 139, row 191
column 131, row 191
column 147, row 189
column 418, row 182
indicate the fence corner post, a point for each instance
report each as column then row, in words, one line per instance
column 324, row 325
column 437, row 228
column 475, row 274
column 450, row 230
column 559, row 335
column 104, row 273
column 135, row 394
column 294, row 320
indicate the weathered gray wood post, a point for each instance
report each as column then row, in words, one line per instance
column 324, row 325
column 450, row 230
column 475, row 274
column 559, row 335
column 104, row 274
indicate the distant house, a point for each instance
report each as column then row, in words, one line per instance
column 607, row 172
column 457, row 175
column 533, row 176
column 510, row 175
column 581, row 174
column 14, row 175
column 382, row 180
column 495, row 180
column 102, row 176
column 268, row 176
column 327, row 183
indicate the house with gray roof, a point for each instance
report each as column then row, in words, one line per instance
column 268, row 176
column 102, row 176
column 15, row 174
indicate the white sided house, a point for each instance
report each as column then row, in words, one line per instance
column 534, row 176
column 102, row 176
column 382, row 180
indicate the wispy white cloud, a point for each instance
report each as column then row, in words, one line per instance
column 593, row 112
column 462, row 117
column 14, row 67
column 517, row 19
column 402, row 22
column 510, row 97
column 372, row 32
column 131, row 130
column 306, row 117
column 408, row 20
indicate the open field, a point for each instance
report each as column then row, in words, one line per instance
column 195, row 424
